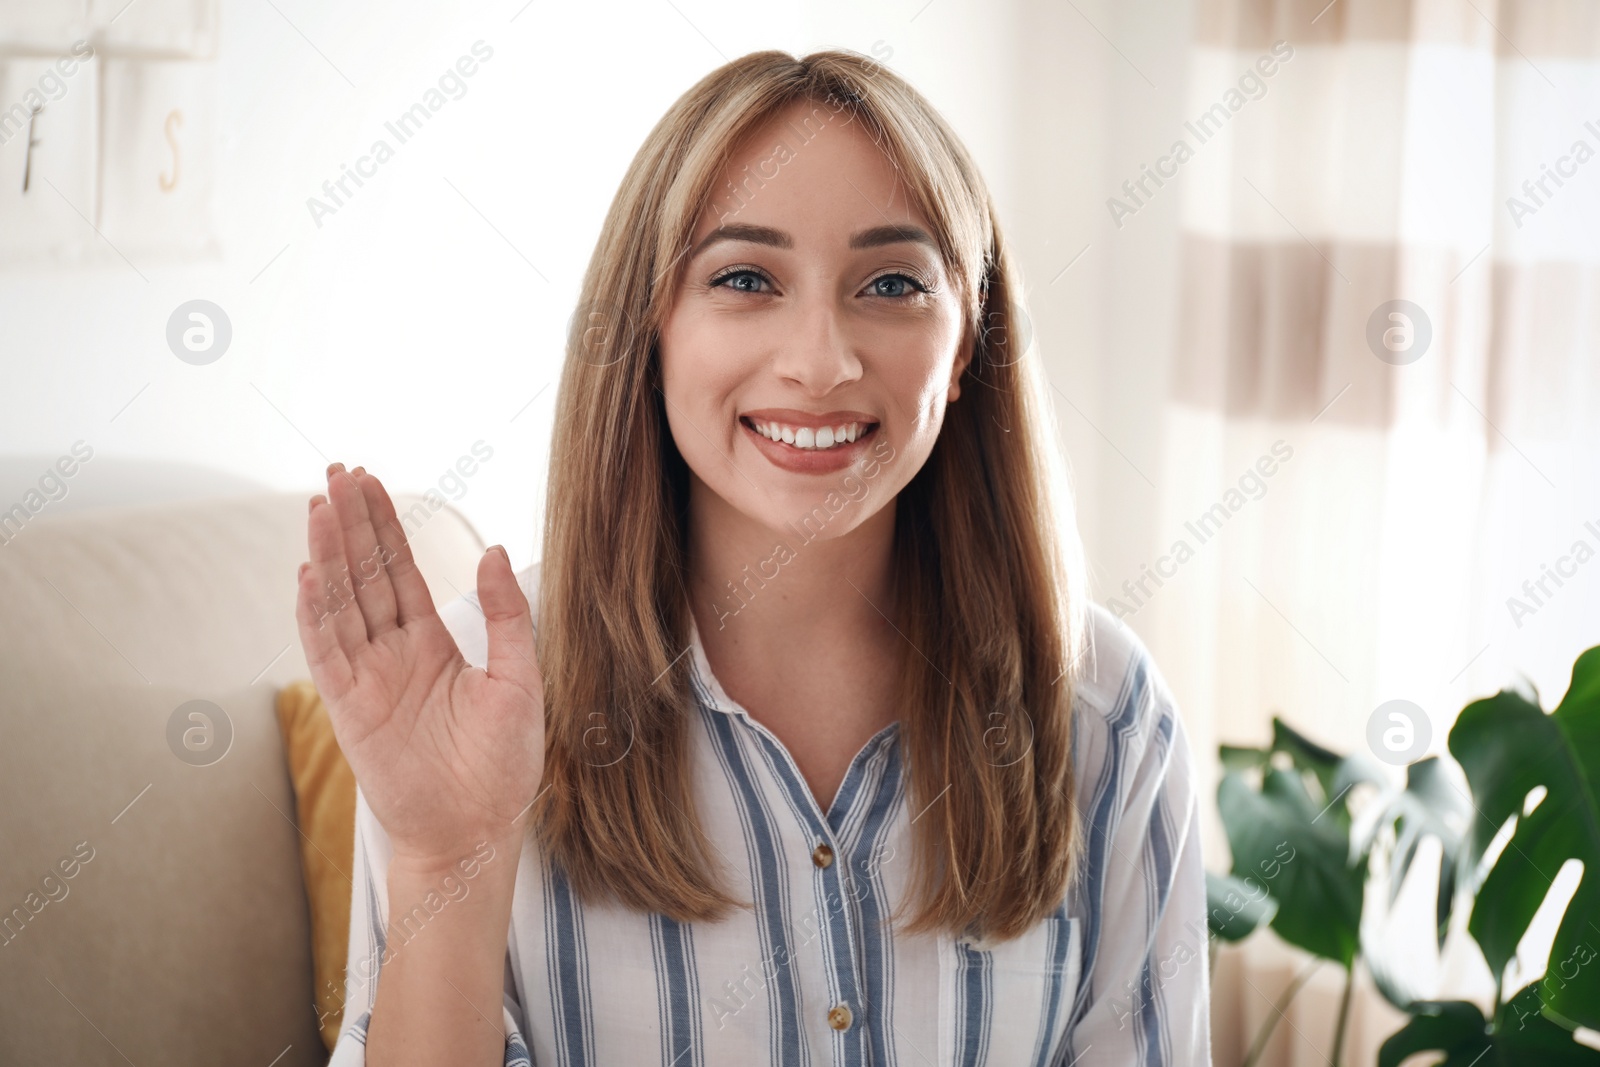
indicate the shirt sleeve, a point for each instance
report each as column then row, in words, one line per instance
column 1145, row 993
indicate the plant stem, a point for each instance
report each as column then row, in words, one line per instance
column 1259, row 1045
column 1344, row 1010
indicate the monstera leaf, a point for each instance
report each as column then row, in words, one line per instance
column 1508, row 747
column 1282, row 837
column 1295, row 842
column 1336, row 774
column 1518, row 1035
column 1430, row 805
column 1236, row 908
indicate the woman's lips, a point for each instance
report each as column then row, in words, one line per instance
column 810, row 460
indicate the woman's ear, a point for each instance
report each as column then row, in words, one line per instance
column 960, row 368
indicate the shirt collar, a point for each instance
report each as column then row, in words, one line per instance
column 715, row 697
column 711, row 693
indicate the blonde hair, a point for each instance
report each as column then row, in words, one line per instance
column 988, row 567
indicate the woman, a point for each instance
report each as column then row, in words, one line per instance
column 821, row 755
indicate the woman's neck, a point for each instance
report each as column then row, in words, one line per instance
column 760, row 595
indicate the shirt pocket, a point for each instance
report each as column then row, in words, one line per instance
column 1013, row 997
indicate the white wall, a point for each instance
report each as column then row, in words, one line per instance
column 428, row 312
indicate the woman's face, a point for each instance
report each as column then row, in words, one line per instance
column 813, row 299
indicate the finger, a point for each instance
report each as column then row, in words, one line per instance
column 510, row 623
column 412, row 597
column 330, row 670
column 334, row 606
column 362, row 552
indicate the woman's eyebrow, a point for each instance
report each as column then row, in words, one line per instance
column 767, row 235
column 892, row 234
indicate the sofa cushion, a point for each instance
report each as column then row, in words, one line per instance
column 325, row 810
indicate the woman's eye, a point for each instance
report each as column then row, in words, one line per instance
column 743, row 281
column 889, row 286
column 895, row 285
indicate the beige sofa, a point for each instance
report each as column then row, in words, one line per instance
column 171, row 924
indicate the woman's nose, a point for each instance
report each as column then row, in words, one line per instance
column 818, row 350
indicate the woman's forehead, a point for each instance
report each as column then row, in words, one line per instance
column 835, row 186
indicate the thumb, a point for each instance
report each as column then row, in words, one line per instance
column 510, row 623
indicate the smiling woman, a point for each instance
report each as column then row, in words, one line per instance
column 919, row 801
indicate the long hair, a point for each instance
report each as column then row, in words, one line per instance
column 988, row 565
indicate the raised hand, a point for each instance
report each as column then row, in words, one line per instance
column 447, row 754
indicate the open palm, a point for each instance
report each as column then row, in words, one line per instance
column 447, row 754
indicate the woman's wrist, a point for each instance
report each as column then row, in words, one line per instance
column 465, row 861
column 469, row 894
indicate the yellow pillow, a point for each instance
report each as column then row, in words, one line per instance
column 325, row 802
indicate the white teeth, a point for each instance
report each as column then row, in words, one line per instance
column 807, row 438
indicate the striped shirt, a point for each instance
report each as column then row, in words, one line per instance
column 1117, row 975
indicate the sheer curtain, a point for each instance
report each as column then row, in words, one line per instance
column 1381, row 469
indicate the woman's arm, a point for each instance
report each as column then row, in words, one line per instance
column 1145, row 997
column 440, row 999
column 447, row 756
column 438, row 937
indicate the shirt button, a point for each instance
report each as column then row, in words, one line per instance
column 839, row 1016
column 822, row 856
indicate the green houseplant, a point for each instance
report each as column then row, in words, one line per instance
column 1310, row 828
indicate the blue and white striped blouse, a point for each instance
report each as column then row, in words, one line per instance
column 1116, row 976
